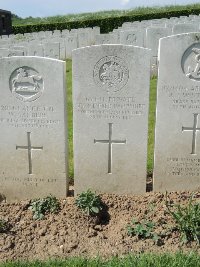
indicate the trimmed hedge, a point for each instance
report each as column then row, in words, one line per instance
column 107, row 24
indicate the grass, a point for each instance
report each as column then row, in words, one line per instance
column 152, row 109
column 152, row 115
column 142, row 260
column 70, row 117
column 98, row 15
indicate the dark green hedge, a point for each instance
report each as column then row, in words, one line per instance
column 107, row 24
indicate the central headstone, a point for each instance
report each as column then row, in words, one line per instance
column 33, row 128
column 110, row 95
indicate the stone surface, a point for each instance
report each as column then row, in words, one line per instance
column 71, row 44
column 107, row 38
column 153, row 34
column 35, row 49
column 52, row 50
column 4, row 52
column 110, row 96
column 184, row 28
column 83, row 39
column 13, row 52
column 33, row 129
column 132, row 37
column 177, row 141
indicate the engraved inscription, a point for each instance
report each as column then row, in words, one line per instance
column 29, row 148
column 106, row 41
column 110, row 142
column 191, row 62
column 182, row 97
column 194, row 130
column 26, row 84
column 111, row 107
column 30, row 181
column 28, row 116
column 183, row 167
column 111, row 73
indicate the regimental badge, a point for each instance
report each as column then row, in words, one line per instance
column 111, row 73
column 191, row 62
column 26, row 84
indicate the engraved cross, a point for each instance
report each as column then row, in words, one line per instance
column 110, row 142
column 194, row 130
column 29, row 148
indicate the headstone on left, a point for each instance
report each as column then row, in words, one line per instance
column 33, row 132
column 177, row 142
column 110, row 99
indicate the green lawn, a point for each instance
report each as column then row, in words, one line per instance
column 142, row 260
column 152, row 107
column 70, row 117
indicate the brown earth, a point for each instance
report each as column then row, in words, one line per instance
column 71, row 233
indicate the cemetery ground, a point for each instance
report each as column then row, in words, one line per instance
column 71, row 233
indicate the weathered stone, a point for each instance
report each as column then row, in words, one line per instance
column 177, row 142
column 33, row 133
column 110, row 95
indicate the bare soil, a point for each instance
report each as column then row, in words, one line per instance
column 71, row 233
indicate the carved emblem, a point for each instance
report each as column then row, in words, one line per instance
column 131, row 38
column 12, row 54
column 26, row 84
column 191, row 62
column 111, row 73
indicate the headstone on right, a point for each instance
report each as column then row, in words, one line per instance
column 177, row 142
column 110, row 99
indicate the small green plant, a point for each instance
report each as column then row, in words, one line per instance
column 89, row 202
column 4, row 226
column 143, row 229
column 187, row 219
column 40, row 207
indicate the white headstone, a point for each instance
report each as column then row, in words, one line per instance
column 184, row 28
column 177, row 142
column 153, row 34
column 56, row 33
column 33, row 128
column 132, row 37
column 52, row 50
column 110, row 99
column 13, row 53
column 71, row 44
column 107, row 38
column 4, row 52
column 35, row 49
column 83, row 39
